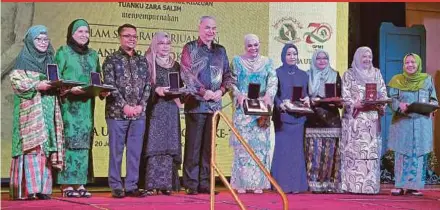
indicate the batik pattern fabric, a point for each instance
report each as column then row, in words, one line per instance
column 361, row 140
column 131, row 78
column 410, row 136
column 77, row 112
column 245, row 172
column 37, row 141
column 163, row 150
column 203, row 69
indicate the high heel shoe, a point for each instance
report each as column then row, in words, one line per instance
column 166, row 192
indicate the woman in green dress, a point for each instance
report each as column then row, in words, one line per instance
column 75, row 62
column 37, row 125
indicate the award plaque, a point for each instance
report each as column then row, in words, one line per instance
column 330, row 90
column 254, row 106
column 174, row 82
column 295, row 104
column 52, row 74
column 422, row 108
column 370, row 92
column 96, row 87
column 296, row 93
column 331, row 96
column 296, row 107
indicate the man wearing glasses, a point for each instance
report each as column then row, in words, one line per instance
column 127, row 71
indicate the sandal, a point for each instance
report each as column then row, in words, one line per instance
column 70, row 193
column 258, row 191
column 149, row 192
column 241, row 191
column 414, row 192
column 397, row 191
column 84, row 193
column 166, row 192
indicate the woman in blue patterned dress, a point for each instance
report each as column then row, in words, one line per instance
column 410, row 133
column 251, row 68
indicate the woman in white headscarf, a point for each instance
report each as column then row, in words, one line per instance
column 251, row 67
column 323, row 128
column 163, row 148
column 360, row 144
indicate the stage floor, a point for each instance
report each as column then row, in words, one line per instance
column 269, row 200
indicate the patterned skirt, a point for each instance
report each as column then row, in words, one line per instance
column 245, row 173
column 162, row 173
column 360, row 175
column 323, row 159
column 410, row 171
column 30, row 173
column 76, row 169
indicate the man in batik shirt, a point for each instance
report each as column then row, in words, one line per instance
column 205, row 71
column 125, row 108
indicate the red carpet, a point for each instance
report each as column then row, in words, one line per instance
column 269, row 200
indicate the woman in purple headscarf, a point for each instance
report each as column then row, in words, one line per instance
column 163, row 148
column 360, row 144
column 288, row 165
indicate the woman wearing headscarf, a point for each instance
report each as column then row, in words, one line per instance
column 37, row 138
column 360, row 144
column 288, row 165
column 251, row 67
column 323, row 128
column 75, row 62
column 163, row 148
column 411, row 134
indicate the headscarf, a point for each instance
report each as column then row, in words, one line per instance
column 361, row 75
column 285, row 66
column 80, row 49
column 29, row 58
column 318, row 77
column 408, row 82
column 153, row 58
column 252, row 64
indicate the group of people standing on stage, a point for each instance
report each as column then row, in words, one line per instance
column 320, row 152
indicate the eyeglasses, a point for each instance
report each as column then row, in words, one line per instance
column 128, row 36
column 42, row 40
column 324, row 58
